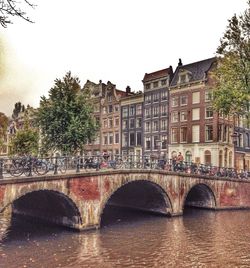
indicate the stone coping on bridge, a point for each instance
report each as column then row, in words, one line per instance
column 86, row 174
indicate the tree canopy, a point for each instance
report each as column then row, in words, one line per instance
column 232, row 93
column 3, row 128
column 65, row 118
column 26, row 140
column 11, row 8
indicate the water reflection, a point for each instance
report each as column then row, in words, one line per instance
column 128, row 239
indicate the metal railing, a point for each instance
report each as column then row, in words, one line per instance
column 32, row 166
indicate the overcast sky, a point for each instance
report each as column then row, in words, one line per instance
column 111, row 40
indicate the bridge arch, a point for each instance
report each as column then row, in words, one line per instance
column 200, row 195
column 48, row 205
column 143, row 195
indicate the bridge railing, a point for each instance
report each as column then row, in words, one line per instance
column 32, row 166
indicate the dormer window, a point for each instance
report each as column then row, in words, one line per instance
column 184, row 76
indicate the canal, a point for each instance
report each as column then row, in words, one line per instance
column 201, row 238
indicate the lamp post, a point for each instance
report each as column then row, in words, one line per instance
column 159, row 142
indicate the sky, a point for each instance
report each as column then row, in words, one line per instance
column 108, row 40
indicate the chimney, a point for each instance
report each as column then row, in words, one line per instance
column 128, row 89
column 180, row 62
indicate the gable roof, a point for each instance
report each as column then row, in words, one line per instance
column 198, row 70
column 158, row 74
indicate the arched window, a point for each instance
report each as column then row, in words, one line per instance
column 188, row 156
column 207, row 157
column 220, row 158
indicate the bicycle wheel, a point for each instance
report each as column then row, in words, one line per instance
column 16, row 170
column 62, row 167
column 41, row 168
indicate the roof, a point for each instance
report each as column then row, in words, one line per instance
column 158, row 74
column 197, row 70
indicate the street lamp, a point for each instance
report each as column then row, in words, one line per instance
column 159, row 142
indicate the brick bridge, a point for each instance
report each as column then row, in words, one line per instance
column 79, row 200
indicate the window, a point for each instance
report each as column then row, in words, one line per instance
column 125, row 111
column 155, row 111
column 209, row 112
column 138, row 109
column 116, row 108
column 138, row 122
column 125, row 139
column 110, row 123
column 147, row 126
column 209, row 132
column 116, row 121
column 183, row 100
column 195, row 133
column 110, row 108
column 147, row 86
column 175, row 117
column 164, row 142
column 188, row 157
column 164, row 95
column 124, row 124
column 156, row 142
column 110, row 138
column 155, row 97
column 174, row 101
column 196, row 114
column 148, row 112
column 164, row 82
column 105, row 139
column 208, row 95
column 196, row 97
column 132, row 110
column 104, row 110
column 155, row 126
column 132, row 123
column 182, row 78
column 105, row 123
column 183, row 134
column 155, row 84
column 174, row 135
column 164, row 123
column 147, row 99
column 132, row 139
column 183, row 116
column 116, row 138
column 164, row 110
column 207, row 157
column 138, row 138
column 148, row 143
column 109, row 97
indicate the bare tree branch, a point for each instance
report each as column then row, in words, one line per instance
column 11, row 8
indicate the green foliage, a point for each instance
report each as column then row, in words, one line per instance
column 26, row 141
column 232, row 92
column 65, row 118
column 3, row 128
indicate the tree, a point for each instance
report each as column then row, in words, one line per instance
column 11, row 8
column 26, row 140
column 232, row 75
column 65, row 118
column 3, row 129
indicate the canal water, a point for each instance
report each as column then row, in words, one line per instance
column 201, row 238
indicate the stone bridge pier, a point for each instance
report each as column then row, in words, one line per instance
column 78, row 200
